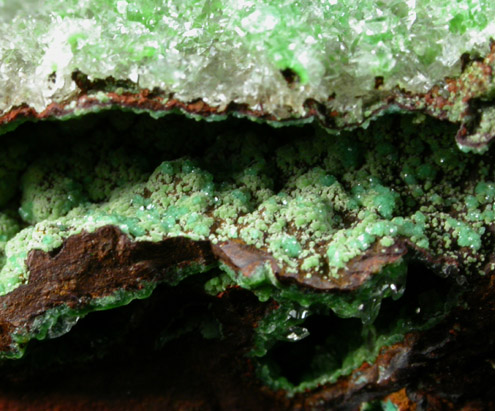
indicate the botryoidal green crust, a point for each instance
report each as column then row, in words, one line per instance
column 322, row 224
column 340, row 199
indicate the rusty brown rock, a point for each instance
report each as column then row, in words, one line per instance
column 90, row 266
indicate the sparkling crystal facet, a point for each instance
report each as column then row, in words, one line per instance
column 236, row 51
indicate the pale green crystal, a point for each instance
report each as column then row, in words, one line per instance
column 225, row 51
column 313, row 202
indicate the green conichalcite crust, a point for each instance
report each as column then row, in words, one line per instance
column 318, row 201
column 312, row 200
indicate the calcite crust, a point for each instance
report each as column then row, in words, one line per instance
column 361, row 222
column 273, row 57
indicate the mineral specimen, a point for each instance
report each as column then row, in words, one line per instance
column 360, row 254
column 340, row 61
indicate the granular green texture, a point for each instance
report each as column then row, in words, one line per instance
column 365, row 235
column 306, row 203
column 315, row 202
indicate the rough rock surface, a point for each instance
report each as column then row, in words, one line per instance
column 345, row 261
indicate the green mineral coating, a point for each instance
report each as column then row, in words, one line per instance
column 289, row 192
column 324, row 213
column 59, row 320
column 379, row 406
column 389, row 406
column 311, row 200
column 8, row 227
column 288, row 245
column 362, row 344
column 182, row 46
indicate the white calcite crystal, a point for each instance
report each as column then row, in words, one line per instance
column 237, row 51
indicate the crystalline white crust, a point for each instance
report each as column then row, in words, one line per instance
column 235, row 51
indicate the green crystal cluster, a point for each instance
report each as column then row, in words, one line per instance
column 311, row 200
column 224, row 51
column 316, row 202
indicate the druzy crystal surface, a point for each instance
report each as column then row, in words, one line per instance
column 238, row 51
column 357, row 258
